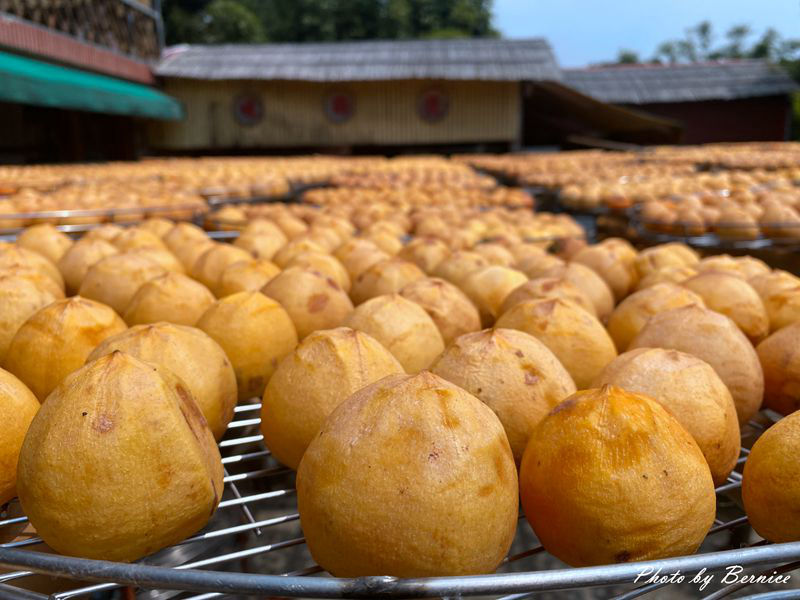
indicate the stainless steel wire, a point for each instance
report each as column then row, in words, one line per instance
column 264, row 521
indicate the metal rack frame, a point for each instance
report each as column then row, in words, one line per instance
column 242, row 448
column 198, row 214
column 548, row 198
column 106, row 215
column 237, row 531
column 682, row 232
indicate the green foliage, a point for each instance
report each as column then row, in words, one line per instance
column 736, row 37
column 449, row 33
column 395, row 20
column 698, row 45
column 796, row 116
column 215, row 22
column 701, row 34
column 667, row 51
column 204, row 21
column 627, row 57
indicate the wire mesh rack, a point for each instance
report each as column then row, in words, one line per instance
column 550, row 200
column 723, row 236
column 80, row 221
column 77, row 221
column 287, row 198
column 254, row 546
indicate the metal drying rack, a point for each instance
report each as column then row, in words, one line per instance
column 735, row 238
column 735, row 235
column 256, row 530
column 94, row 217
column 77, row 221
column 253, row 546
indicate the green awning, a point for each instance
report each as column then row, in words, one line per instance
column 29, row 81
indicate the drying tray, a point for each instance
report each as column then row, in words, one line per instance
column 254, row 546
column 220, row 202
column 75, row 221
column 659, row 233
column 83, row 220
column 230, row 229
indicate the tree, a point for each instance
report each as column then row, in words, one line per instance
column 702, row 36
column 667, row 51
column 216, row 22
column 698, row 45
column 627, row 57
column 736, row 36
column 178, row 15
column 326, row 20
column 395, row 20
column 225, row 21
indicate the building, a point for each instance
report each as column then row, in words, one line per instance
column 76, row 79
column 379, row 96
column 92, row 82
column 355, row 94
column 726, row 101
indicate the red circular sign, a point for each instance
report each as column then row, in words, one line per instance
column 433, row 105
column 339, row 106
column 248, row 109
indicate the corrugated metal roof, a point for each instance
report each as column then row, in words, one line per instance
column 463, row 59
column 646, row 84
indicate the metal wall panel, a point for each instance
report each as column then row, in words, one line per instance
column 294, row 115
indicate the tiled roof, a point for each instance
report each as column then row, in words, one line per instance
column 461, row 59
column 648, row 84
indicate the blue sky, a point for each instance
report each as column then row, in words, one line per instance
column 590, row 31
